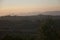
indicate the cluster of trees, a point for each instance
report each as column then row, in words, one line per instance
column 49, row 30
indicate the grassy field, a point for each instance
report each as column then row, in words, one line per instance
column 34, row 28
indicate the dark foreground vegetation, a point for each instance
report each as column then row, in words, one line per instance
column 41, row 27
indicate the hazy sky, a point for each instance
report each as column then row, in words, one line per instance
column 28, row 5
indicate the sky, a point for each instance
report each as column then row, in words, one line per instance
column 16, row 6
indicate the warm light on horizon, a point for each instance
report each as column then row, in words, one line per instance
column 30, row 9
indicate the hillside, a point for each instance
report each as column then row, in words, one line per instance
column 38, row 27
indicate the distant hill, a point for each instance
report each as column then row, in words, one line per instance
column 41, row 16
column 51, row 13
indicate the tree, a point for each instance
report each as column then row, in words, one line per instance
column 47, row 30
